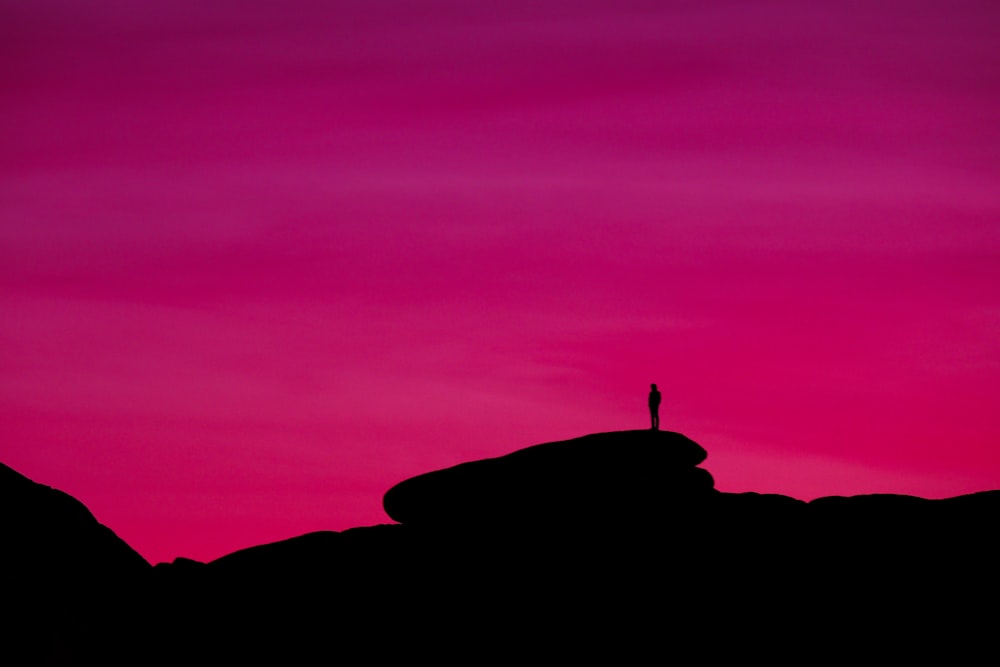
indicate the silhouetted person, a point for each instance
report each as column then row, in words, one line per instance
column 654, row 406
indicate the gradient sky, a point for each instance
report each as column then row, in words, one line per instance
column 260, row 261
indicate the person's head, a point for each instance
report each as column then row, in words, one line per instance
column 652, row 386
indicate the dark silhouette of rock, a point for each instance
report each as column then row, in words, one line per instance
column 612, row 547
column 620, row 475
column 69, row 578
column 47, row 527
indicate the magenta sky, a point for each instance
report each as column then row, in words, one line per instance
column 263, row 260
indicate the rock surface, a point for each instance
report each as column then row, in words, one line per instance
column 613, row 547
column 69, row 578
column 55, row 531
column 618, row 475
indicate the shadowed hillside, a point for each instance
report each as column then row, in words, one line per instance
column 609, row 547
column 66, row 576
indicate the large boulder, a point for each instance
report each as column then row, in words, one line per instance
column 615, row 476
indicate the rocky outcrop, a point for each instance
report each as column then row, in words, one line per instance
column 49, row 530
column 71, row 579
column 611, row 547
column 616, row 476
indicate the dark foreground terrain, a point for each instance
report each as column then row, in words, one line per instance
column 612, row 548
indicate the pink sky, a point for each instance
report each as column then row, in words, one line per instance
column 263, row 260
